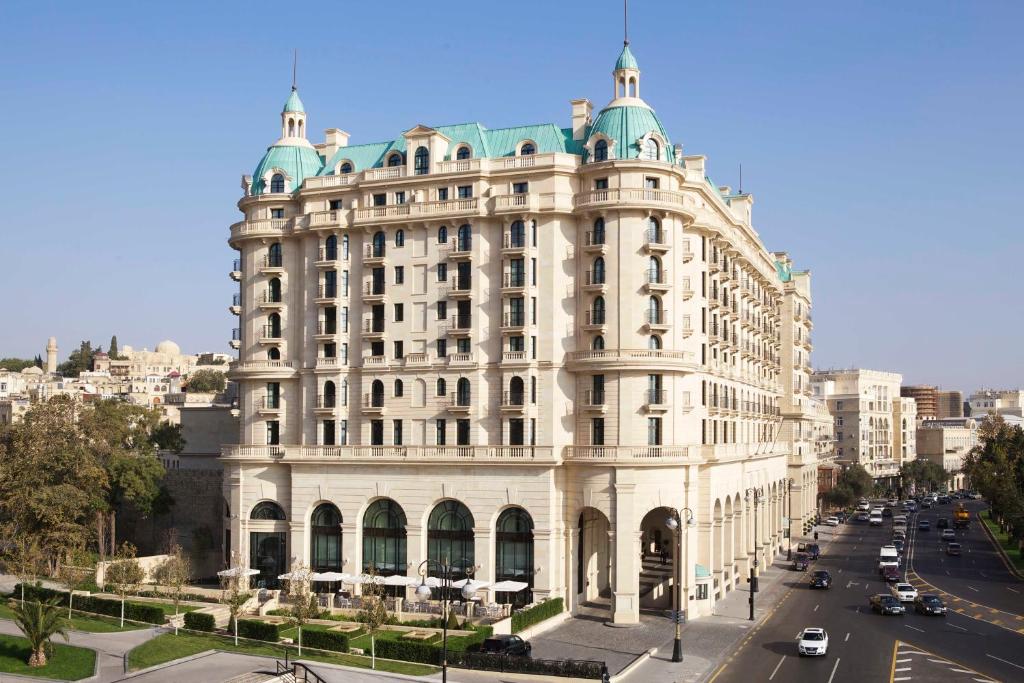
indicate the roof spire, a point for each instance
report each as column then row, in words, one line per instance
column 295, row 67
column 625, row 22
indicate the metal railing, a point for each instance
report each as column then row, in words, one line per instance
column 514, row 319
column 595, row 317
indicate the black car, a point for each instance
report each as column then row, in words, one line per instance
column 506, row 645
column 943, row 500
column 886, row 604
column 924, row 525
column 813, row 550
column 898, row 544
column 887, row 512
column 927, row 603
column 821, row 579
column 801, row 562
column 943, row 523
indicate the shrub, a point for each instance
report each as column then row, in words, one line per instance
column 408, row 651
column 199, row 621
column 479, row 661
column 328, row 640
column 150, row 614
column 536, row 614
column 259, row 630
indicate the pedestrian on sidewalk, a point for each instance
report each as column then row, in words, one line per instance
column 664, row 554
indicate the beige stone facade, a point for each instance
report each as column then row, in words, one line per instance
column 458, row 339
column 946, row 442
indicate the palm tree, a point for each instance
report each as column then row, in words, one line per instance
column 39, row 621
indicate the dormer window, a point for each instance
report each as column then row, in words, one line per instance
column 464, row 152
column 395, row 159
column 601, row 150
column 421, row 161
column 345, row 168
column 277, row 183
column 527, row 149
column 650, row 150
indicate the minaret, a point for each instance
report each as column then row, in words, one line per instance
column 51, row 356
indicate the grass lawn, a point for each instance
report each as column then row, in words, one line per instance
column 1009, row 547
column 168, row 646
column 67, row 663
column 82, row 622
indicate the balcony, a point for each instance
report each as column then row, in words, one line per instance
column 236, row 339
column 263, row 227
column 329, row 181
column 515, row 203
column 260, row 369
column 460, row 287
column 460, row 325
column 270, row 335
column 403, row 454
column 514, row 358
column 513, row 320
column 656, row 401
column 513, row 401
column 594, row 320
column 638, row 197
column 416, row 360
column 373, row 404
column 594, row 282
column 325, row 330
column 236, row 304
column 326, row 258
column 461, row 360
column 373, row 175
column 655, row 242
column 457, row 166
column 638, row 359
column 686, row 332
column 459, row 404
column 594, row 401
column 459, row 250
column 594, row 243
column 329, row 363
column 513, row 283
column 687, row 256
column 374, row 255
column 686, row 293
column 270, row 300
column 375, row 362
column 713, row 301
column 236, row 270
column 512, row 244
column 411, row 211
column 374, row 291
column 268, row 405
column 637, row 455
column 657, row 281
column 657, row 320
column 272, row 265
column 326, row 294
column 373, row 328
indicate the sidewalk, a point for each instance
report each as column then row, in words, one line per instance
column 709, row 640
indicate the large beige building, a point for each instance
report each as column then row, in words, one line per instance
column 517, row 348
column 1000, row 401
column 946, row 442
column 864, row 405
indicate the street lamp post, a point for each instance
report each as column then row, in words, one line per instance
column 423, row 592
column 789, row 519
column 673, row 523
column 757, row 492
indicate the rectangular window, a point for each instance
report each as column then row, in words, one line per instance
column 533, row 431
column 399, row 274
column 399, row 349
column 442, row 272
column 440, row 428
column 463, row 345
column 330, row 350
column 396, row 432
column 376, row 432
column 442, row 348
column 533, row 390
column 400, row 198
column 442, row 194
column 334, row 205
column 344, row 319
column 273, row 432
column 344, row 283
column 328, row 433
column 399, row 312
column 533, row 232
column 515, row 343
column 597, row 431
column 533, row 309
column 377, row 348
column 442, row 310
column 533, row 347
column 343, row 432
column 277, row 213
column 600, row 183
column 520, row 188
column 654, row 431
column 651, row 183
column 462, row 432
column 380, row 199
column 465, row 191
column 344, row 353
column 533, row 273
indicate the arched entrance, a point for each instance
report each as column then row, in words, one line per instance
column 593, row 556
column 658, row 561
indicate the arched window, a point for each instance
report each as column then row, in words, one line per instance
column 654, row 270
column 601, row 150
column 654, row 311
column 291, row 128
column 442, row 387
column 379, row 244
column 274, row 255
column 654, row 343
column 268, row 510
column 274, row 326
column 462, row 392
column 277, row 183
column 274, row 290
column 442, row 235
column 598, row 311
column 421, row 161
column 654, row 230
column 650, row 151
column 516, row 393
column 331, row 248
column 597, row 237
column 399, row 388
column 464, row 152
column 599, row 270
column 345, row 168
column 513, row 559
column 527, row 149
column 395, row 159
column 517, row 234
column 450, row 537
column 329, row 397
column 274, row 353
column 598, row 343
column 400, row 238
column 465, row 237
column 384, row 544
column 377, row 394
column 325, row 540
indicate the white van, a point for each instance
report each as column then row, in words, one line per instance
column 876, row 518
column 888, row 556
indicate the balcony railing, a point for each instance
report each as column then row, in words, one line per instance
column 270, row 332
column 595, row 317
column 327, row 401
column 657, row 277
column 324, row 254
column 270, row 297
column 273, row 261
column 657, row 396
column 514, row 319
column 658, row 316
column 268, row 403
column 373, row 325
column 595, row 239
column 373, row 400
column 514, row 280
column 236, row 266
column 374, row 288
column 236, row 299
column 593, row 397
column 461, row 322
column 595, row 277
column 514, row 241
column 236, row 334
column 513, row 398
column 327, row 291
column 458, row 400
column 372, row 251
column 326, row 327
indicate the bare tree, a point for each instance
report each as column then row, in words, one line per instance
column 76, row 574
column 125, row 574
column 23, row 557
column 303, row 605
column 235, row 590
column 373, row 612
column 174, row 573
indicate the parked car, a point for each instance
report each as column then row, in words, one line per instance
column 948, row 535
column 926, row 504
column 898, row 544
column 831, row 521
column 886, row 604
column 506, row 645
column 813, row 550
column 929, row 603
column 861, row 517
column 904, row 592
column 952, row 548
column 887, row 512
column 899, row 535
column 943, row 523
column 891, row 574
column 943, row 500
column 821, row 579
column 812, row 641
column 924, row 525
column 800, row 562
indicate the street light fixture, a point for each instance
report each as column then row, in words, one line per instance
column 677, row 529
column 758, row 493
column 423, row 593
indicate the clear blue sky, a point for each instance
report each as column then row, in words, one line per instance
column 881, row 140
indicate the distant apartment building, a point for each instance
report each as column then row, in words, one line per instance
column 927, row 398
column 862, row 406
column 951, row 404
column 905, row 421
column 999, row 401
column 946, row 442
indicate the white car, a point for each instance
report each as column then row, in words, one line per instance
column 813, row 641
column 832, row 521
column 904, row 592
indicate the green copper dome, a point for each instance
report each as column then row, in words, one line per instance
column 297, row 162
column 627, row 124
column 295, row 104
column 626, row 60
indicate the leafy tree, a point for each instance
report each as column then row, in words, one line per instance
column 22, row 557
column 206, row 382
column 995, row 468
column 841, row 496
column 79, row 360
column 125, row 574
column 303, row 602
column 235, row 591
column 857, row 479
column 174, row 573
column 77, row 574
column 113, row 352
column 38, row 622
column 16, row 364
column 373, row 612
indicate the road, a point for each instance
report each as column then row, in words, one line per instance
column 864, row 646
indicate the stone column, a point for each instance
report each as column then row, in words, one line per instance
column 546, row 582
column 351, row 548
column 484, row 554
column 298, row 545
column 572, row 588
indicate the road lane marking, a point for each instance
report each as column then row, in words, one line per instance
column 1003, row 661
column 914, row 627
column 983, row 574
column 1012, row 589
column 955, row 626
column 973, row 589
column 834, row 670
column 846, row 638
column 776, row 669
column 816, row 607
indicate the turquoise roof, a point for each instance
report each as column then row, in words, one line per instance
column 784, row 271
column 294, row 103
column 626, row 125
column 297, row 162
column 499, row 142
column 626, row 59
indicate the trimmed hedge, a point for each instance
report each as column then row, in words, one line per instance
column 482, row 661
column 199, row 621
column 536, row 614
column 259, row 630
column 327, row 640
column 133, row 611
column 432, row 653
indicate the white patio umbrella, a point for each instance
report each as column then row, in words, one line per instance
column 509, row 586
column 238, row 571
column 330, row 577
column 396, row 580
column 473, row 585
column 300, row 575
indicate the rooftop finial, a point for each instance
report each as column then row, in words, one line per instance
column 295, row 67
column 625, row 22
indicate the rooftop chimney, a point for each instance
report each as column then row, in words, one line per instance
column 581, row 110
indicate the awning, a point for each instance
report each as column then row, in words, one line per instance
column 509, row 586
column 701, row 572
